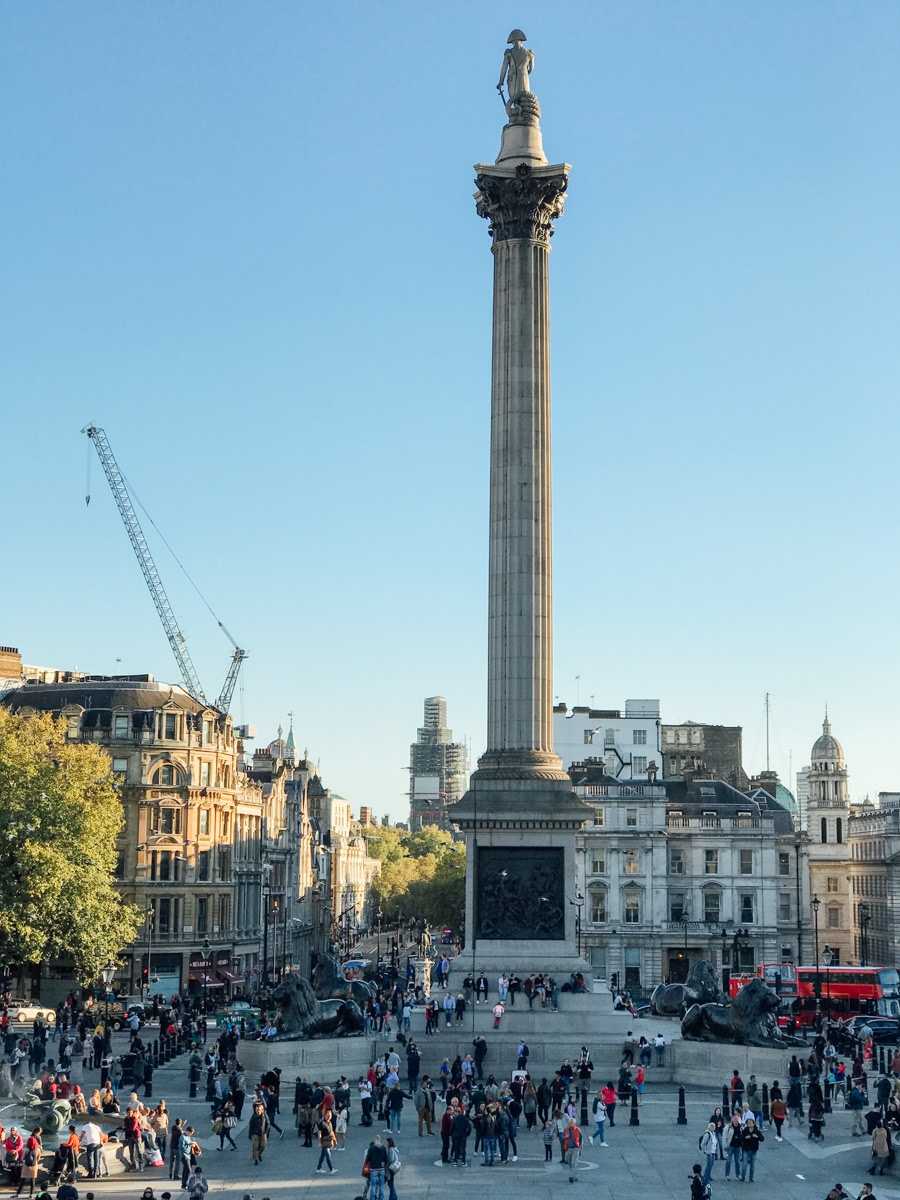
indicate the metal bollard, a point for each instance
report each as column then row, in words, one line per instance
column 155, row 1050
column 765, row 1103
column 826, row 1096
column 726, row 1104
column 882, row 1060
column 584, row 1110
column 635, row 1119
column 682, row 1111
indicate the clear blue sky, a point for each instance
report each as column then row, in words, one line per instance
column 242, row 238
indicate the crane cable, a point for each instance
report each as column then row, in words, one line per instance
column 140, row 504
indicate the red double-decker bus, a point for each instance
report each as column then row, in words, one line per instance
column 842, row 991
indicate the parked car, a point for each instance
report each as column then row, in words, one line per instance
column 23, row 1011
column 885, row 1030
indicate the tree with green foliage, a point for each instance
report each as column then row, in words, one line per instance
column 59, row 819
column 423, row 874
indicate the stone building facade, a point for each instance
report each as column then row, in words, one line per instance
column 677, row 870
column 627, row 740
column 189, row 854
column 828, row 828
column 714, row 750
column 874, row 845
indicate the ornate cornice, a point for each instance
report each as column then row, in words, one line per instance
column 523, row 205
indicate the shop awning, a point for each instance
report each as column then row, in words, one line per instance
column 228, row 975
column 208, row 981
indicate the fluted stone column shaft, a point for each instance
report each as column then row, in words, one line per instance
column 520, row 615
column 521, row 204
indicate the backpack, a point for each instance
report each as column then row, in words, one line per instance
column 29, row 1158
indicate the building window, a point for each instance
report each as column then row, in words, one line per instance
column 633, row 967
column 120, row 766
column 632, row 862
column 120, row 727
column 711, row 862
column 74, row 725
column 839, row 830
column 598, row 863
column 712, row 906
column 670, row 735
column 204, row 774
column 746, row 867
column 165, row 776
column 676, row 906
column 609, row 737
column 638, row 764
column 204, row 822
column 834, row 917
column 631, row 817
column 824, row 829
column 747, row 908
column 784, row 864
column 599, row 816
column 119, row 870
column 163, row 916
column 226, row 825
column 784, row 906
column 203, row 866
column 632, row 907
column 831, row 883
column 598, row 907
column 639, row 737
column 169, row 726
column 202, row 914
column 676, row 862
column 170, row 820
column 224, row 914
column 207, row 732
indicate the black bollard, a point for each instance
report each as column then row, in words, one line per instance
column 726, row 1106
column 882, row 1060
column 682, row 1111
column 765, row 1104
column 155, row 1050
column 826, row 1095
column 195, row 1079
column 635, row 1119
column 584, row 1111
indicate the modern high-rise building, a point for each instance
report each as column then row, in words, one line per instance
column 438, row 768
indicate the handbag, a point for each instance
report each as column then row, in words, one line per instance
column 218, row 1125
column 365, row 1171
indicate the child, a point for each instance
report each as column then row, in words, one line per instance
column 549, row 1136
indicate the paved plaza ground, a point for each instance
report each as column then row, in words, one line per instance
column 649, row 1162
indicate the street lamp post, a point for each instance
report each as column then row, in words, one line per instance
column 579, row 904
column 828, row 959
column 106, row 974
column 378, row 916
column 150, row 919
column 864, row 918
column 818, row 984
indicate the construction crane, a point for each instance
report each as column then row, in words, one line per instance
column 177, row 641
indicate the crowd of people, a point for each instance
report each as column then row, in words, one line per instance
column 818, row 1085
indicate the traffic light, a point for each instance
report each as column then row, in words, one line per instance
column 145, row 977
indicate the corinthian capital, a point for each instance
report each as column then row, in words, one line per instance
column 523, row 205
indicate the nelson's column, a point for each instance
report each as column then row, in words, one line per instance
column 521, row 813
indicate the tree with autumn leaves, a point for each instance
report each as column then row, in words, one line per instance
column 423, row 874
column 59, row 819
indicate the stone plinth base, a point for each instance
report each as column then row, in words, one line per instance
column 323, row 1058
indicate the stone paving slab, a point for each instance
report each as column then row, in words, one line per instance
column 649, row 1162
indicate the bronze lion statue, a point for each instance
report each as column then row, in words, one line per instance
column 748, row 1021
column 303, row 1016
column 330, row 982
column 700, row 987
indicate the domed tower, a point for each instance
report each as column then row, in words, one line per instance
column 829, row 855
